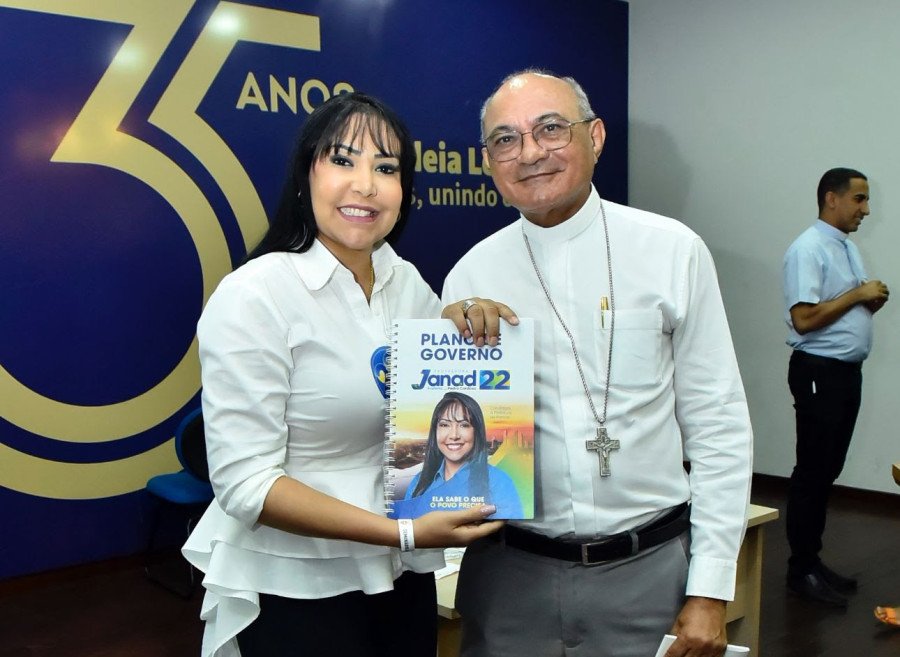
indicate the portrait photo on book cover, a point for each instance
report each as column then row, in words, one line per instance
column 461, row 422
column 462, row 463
column 455, row 472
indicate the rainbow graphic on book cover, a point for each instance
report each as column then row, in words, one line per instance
column 460, row 421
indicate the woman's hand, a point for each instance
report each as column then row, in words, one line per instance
column 454, row 528
column 479, row 319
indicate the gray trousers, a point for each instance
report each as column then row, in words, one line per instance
column 518, row 604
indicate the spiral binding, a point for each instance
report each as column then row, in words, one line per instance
column 390, row 472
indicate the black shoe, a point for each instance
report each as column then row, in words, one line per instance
column 839, row 583
column 813, row 586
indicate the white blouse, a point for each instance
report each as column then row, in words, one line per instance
column 286, row 342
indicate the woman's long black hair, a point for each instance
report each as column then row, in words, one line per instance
column 477, row 458
column 344, row 116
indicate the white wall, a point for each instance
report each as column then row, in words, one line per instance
column 736, row 109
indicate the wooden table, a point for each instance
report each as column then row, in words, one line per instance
column 742, row 612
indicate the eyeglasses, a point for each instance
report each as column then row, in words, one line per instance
column 506, row 145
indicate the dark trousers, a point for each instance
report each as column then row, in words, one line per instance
column 826, row 400
column 397, row 623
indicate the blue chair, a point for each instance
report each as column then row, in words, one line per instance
column 188, row 489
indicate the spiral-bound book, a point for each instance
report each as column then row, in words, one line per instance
column 460, row 422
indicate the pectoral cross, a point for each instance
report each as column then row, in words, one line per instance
column 603, row 446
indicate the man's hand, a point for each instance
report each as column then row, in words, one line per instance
column 875, row 306
column 876, row 295
column 700, row 629
column 874, row 290
column 483, row 317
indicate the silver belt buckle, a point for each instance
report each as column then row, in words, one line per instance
column 586, row 561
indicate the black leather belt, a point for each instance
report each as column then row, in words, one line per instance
column 825, row 360
column 606, row 549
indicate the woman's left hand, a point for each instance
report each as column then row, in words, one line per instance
column 479, row 319
column 455, row 528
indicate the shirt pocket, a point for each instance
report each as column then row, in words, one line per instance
column 636, row 348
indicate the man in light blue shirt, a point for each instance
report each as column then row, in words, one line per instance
column 829, row 304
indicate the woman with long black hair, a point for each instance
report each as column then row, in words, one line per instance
column 298, row 554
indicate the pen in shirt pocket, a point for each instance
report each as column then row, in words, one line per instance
column 604, row 306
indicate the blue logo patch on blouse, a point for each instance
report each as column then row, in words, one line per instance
column 380, row 369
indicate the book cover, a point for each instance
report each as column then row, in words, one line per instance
column 460, row 425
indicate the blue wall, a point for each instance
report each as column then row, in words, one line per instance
column 141, row 151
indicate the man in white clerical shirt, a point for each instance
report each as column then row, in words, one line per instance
column 635, row 375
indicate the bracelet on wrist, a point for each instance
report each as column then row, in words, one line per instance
column 407, row 539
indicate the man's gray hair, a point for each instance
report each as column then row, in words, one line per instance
column 584, row 105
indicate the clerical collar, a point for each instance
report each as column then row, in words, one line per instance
column 570, row 228
column 827, row 229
